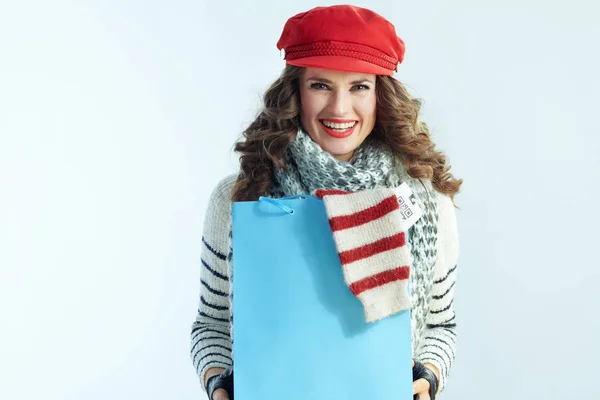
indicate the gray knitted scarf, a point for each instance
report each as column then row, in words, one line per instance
column 309, row 167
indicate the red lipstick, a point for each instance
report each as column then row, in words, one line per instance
column 336, row 133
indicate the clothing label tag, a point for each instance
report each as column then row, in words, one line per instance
column 409, row 209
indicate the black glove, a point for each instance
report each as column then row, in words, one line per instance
column 420, row 371
column 222, row 381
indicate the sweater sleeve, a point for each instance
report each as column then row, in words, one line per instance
column 438, row 343
column 211, row 344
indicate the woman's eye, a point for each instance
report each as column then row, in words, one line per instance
column 322, row 86
column 319, row 86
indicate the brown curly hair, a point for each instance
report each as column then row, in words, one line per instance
column 397, row 124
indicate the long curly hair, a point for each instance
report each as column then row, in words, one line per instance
column 397, row 124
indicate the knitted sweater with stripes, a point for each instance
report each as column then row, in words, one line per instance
column 433, row 320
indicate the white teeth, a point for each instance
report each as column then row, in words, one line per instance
column 346, row 125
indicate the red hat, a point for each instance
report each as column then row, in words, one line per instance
column 342, row 37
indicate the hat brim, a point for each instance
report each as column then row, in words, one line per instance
column 340, row 63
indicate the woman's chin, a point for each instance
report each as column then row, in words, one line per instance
column 342, row 152
column 340, row 148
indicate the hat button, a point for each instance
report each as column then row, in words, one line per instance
column 282, row 54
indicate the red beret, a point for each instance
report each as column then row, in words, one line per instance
column 342, row 37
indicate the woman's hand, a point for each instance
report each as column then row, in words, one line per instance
column 220, row 394
column 220, row 387
column 421, row 386
column 421, row 389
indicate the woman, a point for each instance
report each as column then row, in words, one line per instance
column 336, row 119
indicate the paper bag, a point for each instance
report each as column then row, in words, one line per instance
column 299, row 333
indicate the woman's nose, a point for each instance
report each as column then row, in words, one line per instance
column 340, row 103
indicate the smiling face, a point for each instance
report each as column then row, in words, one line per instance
column 338, row 109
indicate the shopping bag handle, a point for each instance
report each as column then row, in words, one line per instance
column 279, row 204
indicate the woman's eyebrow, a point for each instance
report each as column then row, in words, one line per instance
column 324, row 80
column 318, row 79
column 361, row 81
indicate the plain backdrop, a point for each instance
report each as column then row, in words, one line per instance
column 118, row 117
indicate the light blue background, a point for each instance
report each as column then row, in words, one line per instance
column 118, row 117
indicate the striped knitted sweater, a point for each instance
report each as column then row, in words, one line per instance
column 434, row 321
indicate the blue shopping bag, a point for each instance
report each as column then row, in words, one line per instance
column 299, row 333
